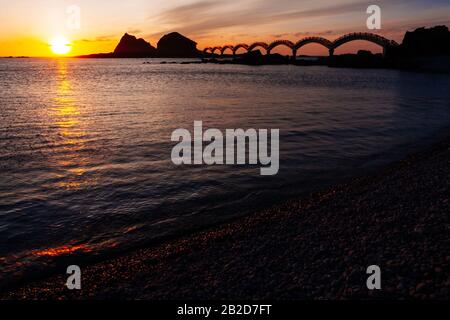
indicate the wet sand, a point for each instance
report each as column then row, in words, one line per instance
column 317, row 247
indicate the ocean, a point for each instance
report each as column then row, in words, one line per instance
column 85, row 146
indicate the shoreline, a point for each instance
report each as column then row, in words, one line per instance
column 315, row 247
column 419, row 65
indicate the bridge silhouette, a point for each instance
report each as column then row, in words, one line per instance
column 295, row 47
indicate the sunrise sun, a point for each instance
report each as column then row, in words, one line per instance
column 60, row 45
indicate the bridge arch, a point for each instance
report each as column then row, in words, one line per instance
column 239, row 46
column 319, row 40
column 371, row 37
column 277, row 43
column 214, row 49
column 256, row 45
column 226, row 47
column 207, row 50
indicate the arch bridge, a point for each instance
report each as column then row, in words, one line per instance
column 294, row 47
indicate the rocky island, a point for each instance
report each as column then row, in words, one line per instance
column 172, row 45
column 175, row 45
column 131, row 47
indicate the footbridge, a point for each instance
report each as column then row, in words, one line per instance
column 296, row 46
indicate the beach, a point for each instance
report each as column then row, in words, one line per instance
column 313, row 247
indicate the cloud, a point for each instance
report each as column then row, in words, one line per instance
column 203, row 19
column 316, row 33
column 207, row 17
column 218, row 20
column 134, row 31
column 281, row 35
column 188, row 12
column 100, row 39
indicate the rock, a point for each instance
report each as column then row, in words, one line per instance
column 425, row 42
column 131, row 47
column 276, row 59
column 175, row 45
column 251, row 58
column 424, row 49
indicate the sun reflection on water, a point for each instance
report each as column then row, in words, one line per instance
column 71, row 161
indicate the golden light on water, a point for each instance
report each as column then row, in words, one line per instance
column 65, row 113
column 63, row 250
column 60, row 45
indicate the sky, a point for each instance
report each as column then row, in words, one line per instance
column 28, row 26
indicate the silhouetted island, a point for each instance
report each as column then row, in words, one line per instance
column 175, row 45
column 172, row 45
column 425, row 49
column 130, row 46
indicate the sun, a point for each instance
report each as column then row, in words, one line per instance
column 60, row 45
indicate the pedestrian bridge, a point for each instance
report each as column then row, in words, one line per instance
column 295, row 47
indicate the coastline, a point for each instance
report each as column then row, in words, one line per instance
column 316, row 247
column 436, row 65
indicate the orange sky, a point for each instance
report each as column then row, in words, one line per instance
column 29, row 25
